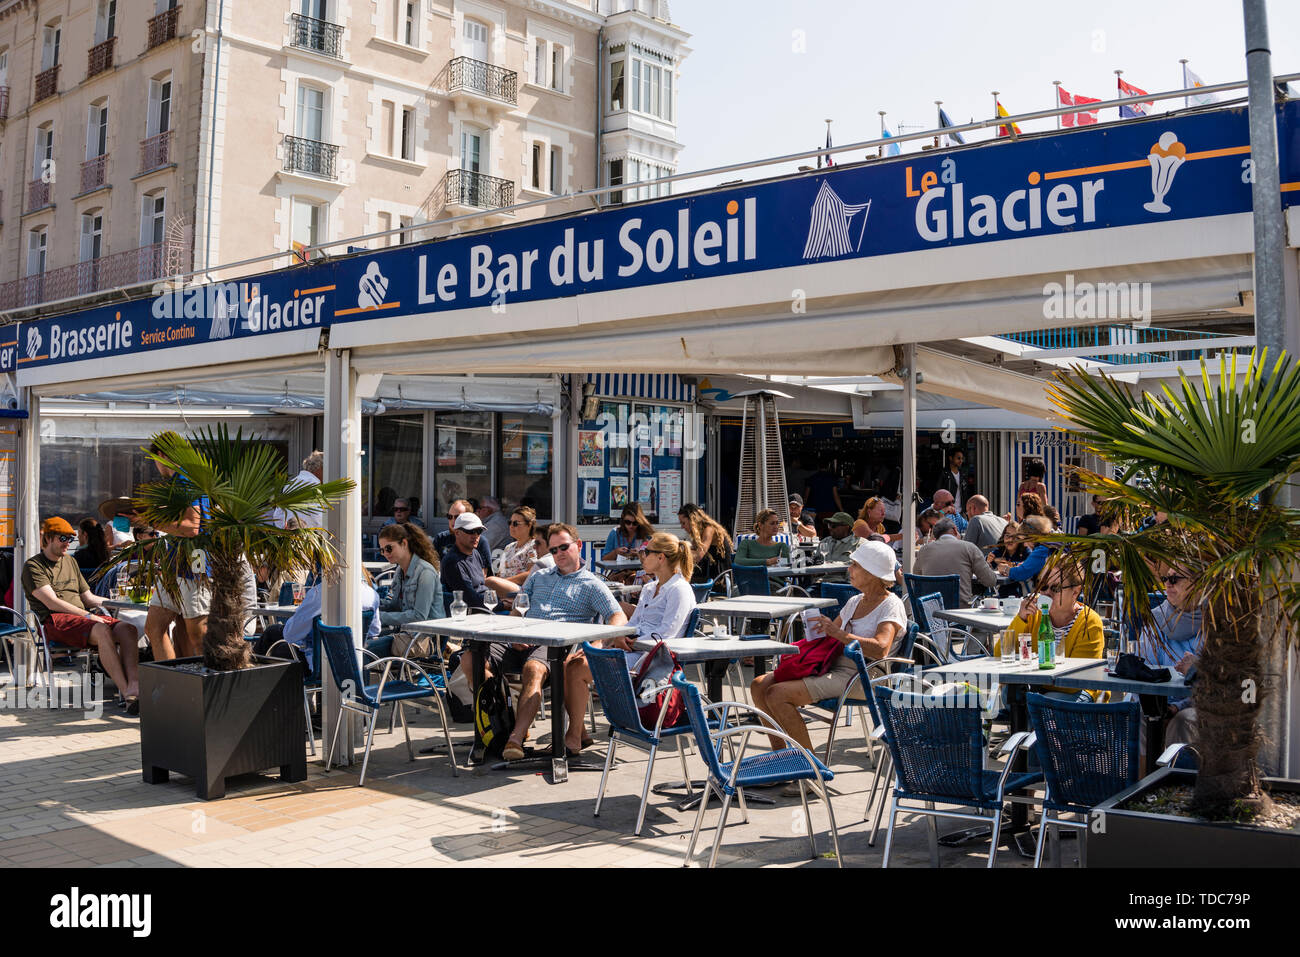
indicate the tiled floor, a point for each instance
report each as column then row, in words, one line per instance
column 71, row 794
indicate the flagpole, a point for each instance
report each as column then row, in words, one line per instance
column 829, row 161
column 1119, row 90
column 995, row 109
column 1186, row 100
column 938, row 119
column 880, row 150
column 1056, row 84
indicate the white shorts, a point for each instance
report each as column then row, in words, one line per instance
column 196, row 595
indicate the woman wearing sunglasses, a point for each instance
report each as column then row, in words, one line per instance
column 1078, row 629
column 633, row 531
column 417, row 592
column 519, row 556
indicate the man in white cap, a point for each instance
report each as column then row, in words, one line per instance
column 462, row 564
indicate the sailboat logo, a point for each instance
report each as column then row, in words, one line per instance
column 829, row 228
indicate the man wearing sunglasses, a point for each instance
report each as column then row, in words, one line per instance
column 444, row 541
column 567, row 592
column 463, row 569
column 70, row 613
column 1175, row 643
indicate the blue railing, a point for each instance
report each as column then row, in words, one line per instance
column 1117, row 335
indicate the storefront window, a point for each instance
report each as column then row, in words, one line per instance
column 632, row 452
column 463, row 457
column 526, row 457
column 396, row 457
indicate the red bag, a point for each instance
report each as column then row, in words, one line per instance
column 815, row 657
column 657, row 668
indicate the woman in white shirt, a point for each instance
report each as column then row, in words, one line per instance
column 518, row 558
column 876, row 618
column 663, row 611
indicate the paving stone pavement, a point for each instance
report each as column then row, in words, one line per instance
column 71, row 794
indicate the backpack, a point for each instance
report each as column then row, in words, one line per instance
column 652, row 685
column 494, row 719
column 814, row 657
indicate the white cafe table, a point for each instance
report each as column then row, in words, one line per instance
column 558, row 637
column 619, row 564
column 762, row 608
column 976, row 619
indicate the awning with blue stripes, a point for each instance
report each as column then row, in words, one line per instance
column 668, row 387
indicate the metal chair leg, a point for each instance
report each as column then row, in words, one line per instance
column 645, row 790
column 932, row 826
column 997, row 832
column 807, row 822
column 889, row 834
column 717, row 838
column 1042, row 832
column 835, row 834
column 370, row 736
column 400, row 707
column 699, row 818
column 686, row 775
column 609, row 762
column 1055, row 838
column 744, row 808
column 446, row 733
column 333, row 741
column 306, row 709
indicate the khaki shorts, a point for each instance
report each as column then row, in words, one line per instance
column 833, row 683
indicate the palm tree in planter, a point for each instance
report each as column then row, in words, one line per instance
column 1212, row 455
column 244, row 482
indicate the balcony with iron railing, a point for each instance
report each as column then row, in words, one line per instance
column 465, row 190
column 94, row 172
column 323, row 37
column 474, row 81
column 132, row 267
column 163, row 27
column 302, row 155
column 47, row 83
column 4, row 102
column 38, row 194
column 100, row 57
column 155, row 151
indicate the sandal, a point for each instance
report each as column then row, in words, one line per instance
column 132, row 705
column 512, row 752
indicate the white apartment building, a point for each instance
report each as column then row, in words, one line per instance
column 203, row 133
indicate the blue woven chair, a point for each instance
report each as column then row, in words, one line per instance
column 937, row 745
column 751, row 579
column 618, row 700
column 949, row 586
column 702, row 590
column 1088, row 753
column 412, row 685
column 728, row 779
column 939, row 648
column 840, row 592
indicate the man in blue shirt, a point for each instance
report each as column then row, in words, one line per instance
column 445, row 540
column 1178, row 647
column 463, row 569
column 567, row 592
column 944, row 502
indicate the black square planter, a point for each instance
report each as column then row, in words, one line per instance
column 213, row 726
column 1124, row 838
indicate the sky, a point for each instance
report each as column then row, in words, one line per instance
column 764, row 75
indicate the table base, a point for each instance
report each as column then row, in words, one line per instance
column 693, row 801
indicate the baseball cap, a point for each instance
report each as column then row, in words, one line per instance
column 876, row 558
column 57, row 526
column 468, row 522
column 796, row 500
column 840, row 518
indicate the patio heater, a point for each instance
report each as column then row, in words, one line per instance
column 762, row 467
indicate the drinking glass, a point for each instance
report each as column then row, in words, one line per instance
column 490, row 601
column 298, row 590
column 521, row 603
column 1008, row 646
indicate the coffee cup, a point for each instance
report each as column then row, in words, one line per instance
column 1010, row 606
column 991, row 604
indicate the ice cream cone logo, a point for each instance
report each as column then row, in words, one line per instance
column 1165, row 158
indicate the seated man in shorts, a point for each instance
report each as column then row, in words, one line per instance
column 70, row 613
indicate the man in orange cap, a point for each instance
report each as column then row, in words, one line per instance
column 70, row 613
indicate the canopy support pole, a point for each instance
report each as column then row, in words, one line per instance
column 27, row 519
column 908, row 492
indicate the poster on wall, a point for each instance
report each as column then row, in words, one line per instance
column 591, row 454
column 618, row 457
column 512, row 437
column 617, row 494
column 539, row 447
column 670, row 491
column 644, row 461
column 446, row 446
column 590, row 495
column 648, row 496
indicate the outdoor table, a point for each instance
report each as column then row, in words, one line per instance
column 764, row 608
column 973, row 619
column 1152, row 694
column 617, row 564
column 710, row 652
column 823, row 570
column 558, row 637
column 1019, row 677
column 376, row 568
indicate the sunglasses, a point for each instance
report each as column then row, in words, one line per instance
column 66, row 539
column 399, row 508
column 514, row 524
column 1173, row 579
column 476, row 532
column 1057, row 589
column 386, row 549
column 561, row 548
column 630, row 522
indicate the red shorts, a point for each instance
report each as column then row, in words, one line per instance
column 73, row 630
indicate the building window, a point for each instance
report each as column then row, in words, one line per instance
column 408, row 133
column 616, row 179
column 617, row 87
column 92, row 239
column 36, row 247
column 557, row 68
column 537, row 166
column 43, row 157
column 153, row 218
column 310, row 121
column 51, row 38
column 407, row 20
column 407, row 234
column 387, row 113
column 384, row 222
column 97, row 131
column 557, row 170
column 539, row 62
column 106, row 21
column 308, row 223
column 160, row 106
column 476, row 40
column 652, row 85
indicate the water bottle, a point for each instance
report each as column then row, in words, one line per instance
column 458, row 607
column 1046, row 645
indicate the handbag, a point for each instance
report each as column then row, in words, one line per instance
column 652, row 685
column 813, row 659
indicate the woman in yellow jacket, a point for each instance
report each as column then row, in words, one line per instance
column 1078, row 629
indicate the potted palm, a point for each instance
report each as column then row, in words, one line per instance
column 226, row 712
column 1213, row 456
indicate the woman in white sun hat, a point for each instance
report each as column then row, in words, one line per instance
column 876, row 618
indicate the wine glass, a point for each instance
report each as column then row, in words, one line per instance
column 490, row 601
column 521, row 603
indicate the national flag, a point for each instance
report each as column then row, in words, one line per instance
column 1087, row 118
column 829, row 162
column 1136, row 109
column 1002, row 130
column 1190, row 82
column 945, row 123
column 892, row 149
